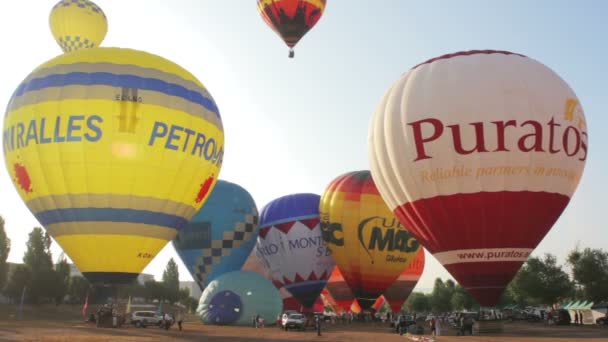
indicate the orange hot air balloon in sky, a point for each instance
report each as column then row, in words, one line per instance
column 397, row 293
column 478, row 154
column 291, row 19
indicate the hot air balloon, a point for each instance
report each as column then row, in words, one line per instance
column 253, row 264
column 291, row 19
column 290, row 245
column 355, row 307
column 378, row 303
column 113, row 151
column 339, row 290
column 368, row 243
column 398, row 292
column 221, row 235
column 478, row 153
column 235, row 297
column 328, row 300
column 77, row 24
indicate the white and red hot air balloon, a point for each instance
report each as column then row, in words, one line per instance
column 478, row 153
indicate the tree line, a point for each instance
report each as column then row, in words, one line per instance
column 39, row 280
column 540, row 281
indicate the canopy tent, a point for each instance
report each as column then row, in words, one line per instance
column 584, row 309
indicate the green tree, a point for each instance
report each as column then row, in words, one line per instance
column 78, row 289
column 462, row 300
column 60, row 280
column 5, row 248
column 38, row 259
column 171, row 281
column 417, row 302
column 590, row 271
column 542, row 281
column 155, row 290
column 38, row 254
column 441, row 296
column 19, row 278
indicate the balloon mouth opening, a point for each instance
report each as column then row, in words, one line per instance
column 110, row 278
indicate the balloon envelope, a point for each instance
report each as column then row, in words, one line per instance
column 221, row 235
column 290, row 245
column 401, row 288
column 96, row 143
column 77, row 24
column 367, row 242
column 478, row 153
column 234, row 298
column 291, row 19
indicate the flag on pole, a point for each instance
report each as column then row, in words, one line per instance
column 128, row 306
column 85, row 306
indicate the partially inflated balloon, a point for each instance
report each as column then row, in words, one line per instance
column 355, row 307
column 291, row 19
column 254, row 264
column 378, row 303
column 220, row 236
column 328, row 300
column 113, row 150
column 290, row 245
column 339, row 290
column 367, row 241
column 478, row 153
column 77, row 24
column 234, row 298
column 398, row 292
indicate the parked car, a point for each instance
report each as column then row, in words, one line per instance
column 293, row 321
column 145, row 318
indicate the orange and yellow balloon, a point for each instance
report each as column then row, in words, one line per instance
column 369, row 245
column 398, row 292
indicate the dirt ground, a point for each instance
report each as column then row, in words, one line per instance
column 64, row 323
column 49, row 330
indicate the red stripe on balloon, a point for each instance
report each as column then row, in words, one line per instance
column 504, row 219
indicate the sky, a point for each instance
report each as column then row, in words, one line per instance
column 293, row 125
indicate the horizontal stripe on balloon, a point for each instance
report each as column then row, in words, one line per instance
column 111, row 228
column 289, row 219
column 88, row 200
column 110, row 93
column 317, row 3
column 116, row 80
column 482, row 255
column 110, row 215
column 119, row 69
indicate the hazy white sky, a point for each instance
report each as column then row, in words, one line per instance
column 292, row 125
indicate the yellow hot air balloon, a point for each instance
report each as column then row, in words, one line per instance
column 113, row 150
column 368, row 243
column 77, row 24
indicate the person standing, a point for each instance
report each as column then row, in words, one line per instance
column 318, row 324
column 432, row 324
column 180, row 319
